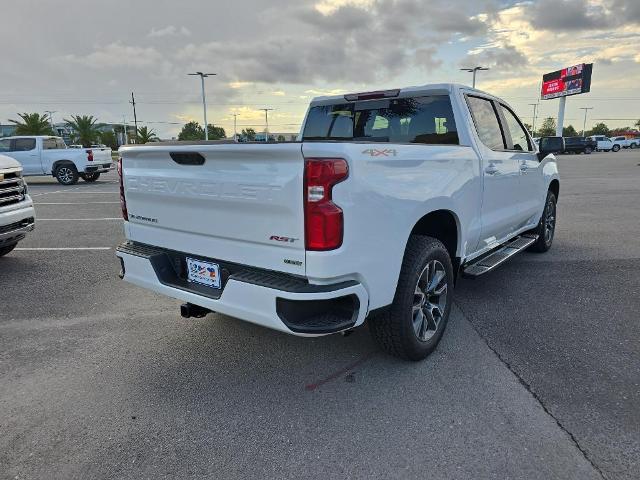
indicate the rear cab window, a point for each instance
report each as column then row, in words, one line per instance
column 425, row 120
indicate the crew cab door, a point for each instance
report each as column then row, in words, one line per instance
column 500, row 171
column 25, row 151
column 531, row 193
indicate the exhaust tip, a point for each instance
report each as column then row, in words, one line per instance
column 188, row 310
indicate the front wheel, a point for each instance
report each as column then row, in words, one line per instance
column 90, row 177
column 7, row 249
column 546, row 228
column 587, row 150
column 67, row 174
column 412, row 326
column 616, row 148
column 632, row 146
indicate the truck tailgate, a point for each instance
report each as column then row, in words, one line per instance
column 102, row 155
column 242, row 204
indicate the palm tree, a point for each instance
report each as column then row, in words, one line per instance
column 146, row 135
column 86, row 129
column 32, row 124
column 637, row 124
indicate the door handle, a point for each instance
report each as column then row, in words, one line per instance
column 491, row 169
column 524, row 167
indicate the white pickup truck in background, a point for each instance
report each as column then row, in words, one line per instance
column 624, row 142
column 46, row 155
column 384, row 200
column 17, row 215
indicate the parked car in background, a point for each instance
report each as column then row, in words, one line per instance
column 579, row 145
column 625, row 142
column 46, row 155
column 603, row 143
column 386, row 198
column 17, row 216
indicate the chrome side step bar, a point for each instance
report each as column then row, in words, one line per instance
column 497, row 257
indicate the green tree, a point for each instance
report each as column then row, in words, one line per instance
column 191, row 131
column 249, row 134
column 216, row 133
column 569, row 131
column 109, row 139
column 33, row 124
column 281, row 138
column 637, row 124
column 599, row 129
column 147, row 135
column 548, row 128
column 86, row 129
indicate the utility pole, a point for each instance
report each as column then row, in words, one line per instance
column 474, row 70
column 266, row 122
column 204, row 100
column 235, row 127
column 533, row 126
column 584, row 125
column 50, row 113
column 135, row 118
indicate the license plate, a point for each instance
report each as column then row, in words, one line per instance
column 204, row 273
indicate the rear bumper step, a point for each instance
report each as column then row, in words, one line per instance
column 497, row 257
column 271, row 299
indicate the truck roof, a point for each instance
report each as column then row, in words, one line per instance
column 408, row 91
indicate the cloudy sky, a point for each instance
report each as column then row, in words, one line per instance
column 87, row 56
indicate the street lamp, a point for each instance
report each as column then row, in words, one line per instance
column 266, row 122
column 474, row 70
column 584, row 125
column 204, row 100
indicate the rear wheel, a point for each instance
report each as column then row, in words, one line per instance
column 413, row 325
column 90, row 177
column 6, row 249
column 633, row 145
column 546, row 228
column 616, row 148
column 67, row 174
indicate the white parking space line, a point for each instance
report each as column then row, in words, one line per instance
column 47, row 249
column 77, row 203
column 77, row 219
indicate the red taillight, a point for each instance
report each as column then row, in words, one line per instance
column 323, row 219
column 90, row 155
column 123, row 201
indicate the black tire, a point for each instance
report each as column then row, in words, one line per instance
column 398, row 329
column 587, row 150
column 632, row 146
column 545, row 239
column 67, row 174
column 6, row 249
column 616, row 148
column 90, row 177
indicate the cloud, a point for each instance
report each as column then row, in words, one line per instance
column 115, row 55
column 169, row 31
column 505, row 57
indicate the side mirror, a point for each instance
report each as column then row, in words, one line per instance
column 550, row 145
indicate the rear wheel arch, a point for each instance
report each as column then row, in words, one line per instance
column 442, row 225
column 59, row 163
column 554, row 186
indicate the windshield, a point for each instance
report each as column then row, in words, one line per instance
column 405, row 120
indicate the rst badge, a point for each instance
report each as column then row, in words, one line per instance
column 277, row 238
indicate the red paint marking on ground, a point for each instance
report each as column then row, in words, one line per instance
column 337, row 374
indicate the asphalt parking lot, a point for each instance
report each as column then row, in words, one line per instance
column 537, row 377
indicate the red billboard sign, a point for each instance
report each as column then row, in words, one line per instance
column 568, row 81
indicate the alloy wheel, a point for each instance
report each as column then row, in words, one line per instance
column 429, row 300
column 65, row 174
column 549, row 221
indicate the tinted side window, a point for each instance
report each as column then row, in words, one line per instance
column 5, row 145
column 405, row 120
column 519, row 136
column 50, row 144
column 24, row 144
column 486, row 121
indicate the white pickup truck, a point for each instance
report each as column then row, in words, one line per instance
column 45, row 155
column 385, row 198
column 624, row 142
column 17, row 216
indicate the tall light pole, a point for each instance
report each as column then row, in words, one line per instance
column 584, row 124
column 266, row 122
column 204, row 100
column 235, row 127
column 474, row 70
column 51, row 112
column 533, row 126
